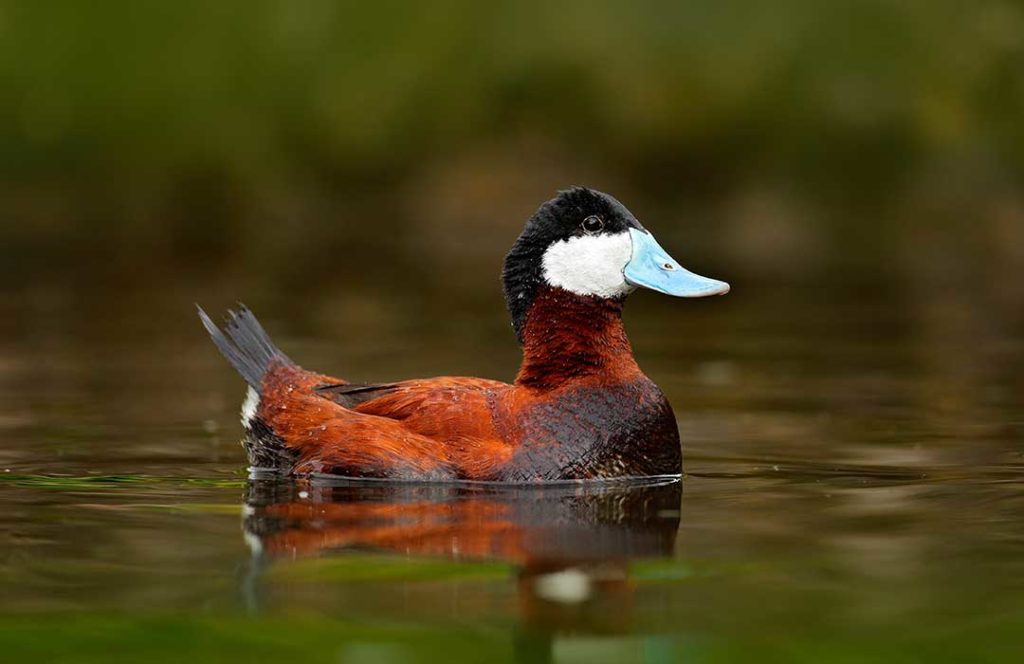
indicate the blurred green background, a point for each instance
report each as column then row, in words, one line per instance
column 878, row 140
column 851, row 412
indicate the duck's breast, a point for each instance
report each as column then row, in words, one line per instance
column 589, row 431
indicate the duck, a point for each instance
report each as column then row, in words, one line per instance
column 580, row 408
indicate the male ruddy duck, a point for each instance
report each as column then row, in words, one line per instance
column 579, row 409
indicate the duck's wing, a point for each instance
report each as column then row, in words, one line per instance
column 318, row 436
column 438, row 428
column 402, row 399
column 351, row 395
column 457, row 412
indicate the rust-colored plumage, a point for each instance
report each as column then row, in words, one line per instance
column 580, row 408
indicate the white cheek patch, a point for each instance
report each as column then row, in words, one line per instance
column 249, row 407
column 589, row 264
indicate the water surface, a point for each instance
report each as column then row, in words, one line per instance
column 853, row 492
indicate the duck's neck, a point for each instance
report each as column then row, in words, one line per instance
column 569, row 337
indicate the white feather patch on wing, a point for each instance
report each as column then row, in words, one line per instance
column 249, row 406
column 589, row 264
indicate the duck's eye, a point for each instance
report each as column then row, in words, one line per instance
column 593, row 224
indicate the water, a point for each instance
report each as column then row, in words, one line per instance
column 853, row 492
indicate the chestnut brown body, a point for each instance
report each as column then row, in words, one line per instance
column 580, row 408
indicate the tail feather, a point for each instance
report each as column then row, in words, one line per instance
column 245, row 344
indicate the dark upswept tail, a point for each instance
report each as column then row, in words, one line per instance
column 245, row 344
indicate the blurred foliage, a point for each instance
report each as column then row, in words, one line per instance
column 881, row 137
column 375, row 567
column 173, row 638
column 131, row 91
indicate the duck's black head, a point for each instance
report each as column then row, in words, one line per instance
column 578, row 241
column 586, row 242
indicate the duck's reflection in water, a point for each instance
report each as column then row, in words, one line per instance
column 571, row 544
